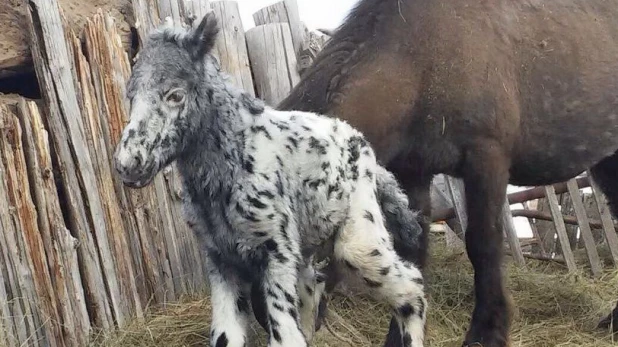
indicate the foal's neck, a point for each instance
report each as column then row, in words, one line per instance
column 213, row 157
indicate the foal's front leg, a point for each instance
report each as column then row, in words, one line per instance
column 230, row 310
column 280, row 280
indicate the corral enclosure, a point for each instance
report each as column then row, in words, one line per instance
column 80, row 252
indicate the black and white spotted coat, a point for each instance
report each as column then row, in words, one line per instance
column 265, row 190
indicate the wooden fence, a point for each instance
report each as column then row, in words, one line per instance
column 567, row 226
column 78, row 250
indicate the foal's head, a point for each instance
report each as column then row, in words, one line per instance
column 167, row 100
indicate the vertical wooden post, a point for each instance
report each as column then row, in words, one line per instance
column 584, row 227
column 50, row 56
column 62, row 255
column 440, row 200
column 511, row 234
column 231, row 47
column 560, row 227
column 456, row 189
column 606, row 220
column 535, row 233
column 285, row 11
column 546, row 229
column 272, row 60
column 24, row 295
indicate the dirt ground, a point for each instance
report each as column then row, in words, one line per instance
column 14, row 52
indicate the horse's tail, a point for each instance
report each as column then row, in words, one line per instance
column 409, row 240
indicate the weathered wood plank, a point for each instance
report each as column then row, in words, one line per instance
column 511, row 234
column 584, row 227
column 23, row 298
column 567, row 209
column 110, row 68
column 16, row 313
column 456, row 189
column 285, row 11
column 440, row 199
column 552, row 199
column 102, row 73
column 590, row 205
column 50, row 56
column 63, row 254
column 146, row 17
column 90, row 111
column 535, row 233
column 26, row 221
column 231, row 46
column 606, row 219
column 272, row 60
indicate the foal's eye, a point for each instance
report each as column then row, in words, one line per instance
column 175, row 96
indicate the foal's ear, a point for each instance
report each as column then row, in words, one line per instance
column 201, row 40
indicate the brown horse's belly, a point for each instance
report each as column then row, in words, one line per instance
column 558, row 155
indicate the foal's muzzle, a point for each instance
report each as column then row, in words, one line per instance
column 134, row 170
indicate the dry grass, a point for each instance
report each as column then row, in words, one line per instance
column 552, row 309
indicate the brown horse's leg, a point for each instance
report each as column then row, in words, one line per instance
column 486, row 177
column 605, row 174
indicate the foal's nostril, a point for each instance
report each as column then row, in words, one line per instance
column 138, row 160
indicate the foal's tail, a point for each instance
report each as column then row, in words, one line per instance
column 409, row 240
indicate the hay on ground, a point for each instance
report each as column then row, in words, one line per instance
column 553, row 308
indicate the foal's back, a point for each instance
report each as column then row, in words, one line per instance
column 317, row 160
column 426, row 79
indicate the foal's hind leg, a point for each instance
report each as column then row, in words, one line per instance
column 310, row 288
column 418, row 192
column 365, row 248
column 605, row 174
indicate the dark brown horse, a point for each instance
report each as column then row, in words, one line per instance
column 492, row 91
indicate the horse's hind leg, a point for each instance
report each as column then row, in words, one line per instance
column 605, row 174
column 364, row 247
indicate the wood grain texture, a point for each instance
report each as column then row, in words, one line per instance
column 51, row 56
column 231, row 46
column 606, row 220
column 285, row 11
column 567, row 253
column 62, row 253
column 272, row 60
column 511, row 234
column 584, row 227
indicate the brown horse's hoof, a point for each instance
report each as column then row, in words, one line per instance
column 489, row 334
column 610, row 321
column 486, row 344
column 487, row 338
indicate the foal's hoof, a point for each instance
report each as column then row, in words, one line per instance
column 322, row 312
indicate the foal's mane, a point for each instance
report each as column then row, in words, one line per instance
column 346, row 48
